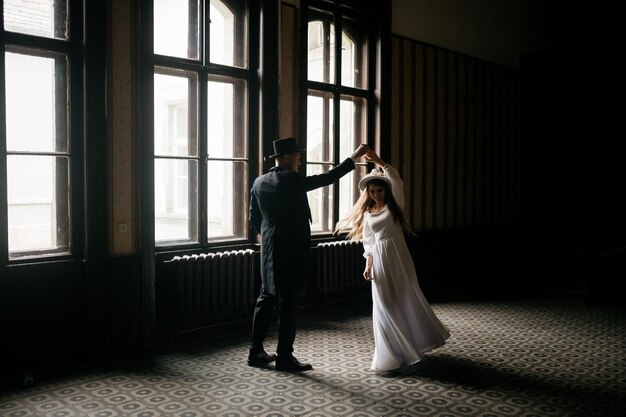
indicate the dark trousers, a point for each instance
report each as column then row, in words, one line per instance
column 286, row 321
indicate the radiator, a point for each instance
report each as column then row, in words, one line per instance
column 340, row 266
column 214, row 286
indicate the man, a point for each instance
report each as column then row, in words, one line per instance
column 280, row 211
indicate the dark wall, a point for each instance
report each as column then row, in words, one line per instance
column 573, row 197
column 455, row 139
column 513, row 179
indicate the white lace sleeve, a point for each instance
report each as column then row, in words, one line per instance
column 368, row 238
column 397, row 186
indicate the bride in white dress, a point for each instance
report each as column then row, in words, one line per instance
column 405, row 326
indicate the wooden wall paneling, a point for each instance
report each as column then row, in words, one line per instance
column 507, row 119
column 505, row 149
column 429, row 91
column 479, row 148
column 419, row 114
column 517, row 150
column 440, row 138
column 514, row 136
column 401, row 108
column 496, row 197
column 457, row 136
column 406, row 156
column 412, row 198
column 470, row 175
column 125, row 312
column 511, row 150
column 452, row 157
column 489, row 157
column 499, row 134
column 396, row 116
column 502, row 147
column 509, row 123
column 461, row 139
column 288, row 120
column 492, row 115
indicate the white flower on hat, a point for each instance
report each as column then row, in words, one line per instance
column 375, row 174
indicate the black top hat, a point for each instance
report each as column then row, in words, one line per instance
column 286, row 145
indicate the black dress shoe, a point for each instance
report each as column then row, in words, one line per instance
column 260, row 359
column 291, row 364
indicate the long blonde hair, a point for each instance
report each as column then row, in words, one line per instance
column 354, row 218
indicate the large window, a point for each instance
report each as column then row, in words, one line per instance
column 40, row 71
column 202, row 81
column 339, row 101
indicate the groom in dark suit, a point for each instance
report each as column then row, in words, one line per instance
column 280, row 211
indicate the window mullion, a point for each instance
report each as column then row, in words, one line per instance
column 202, row 152
column 337, row 109
column 336, row 132
column 326, row 133
column 326, row 52
column 192, row 39
column 205, row 32
column 4, row 222
column 338, row 36
column 35, row 42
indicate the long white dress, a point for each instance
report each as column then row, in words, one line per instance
column 405, row 326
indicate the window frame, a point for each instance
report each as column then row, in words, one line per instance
column 208, row 71
column 71, row 47
column 341, row 13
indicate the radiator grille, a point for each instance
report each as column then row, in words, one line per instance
column 213, row 288
column 340, row 266
column 212, row 285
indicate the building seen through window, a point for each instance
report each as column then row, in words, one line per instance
column 337, row 109
column 37, row 78
column 200, row 121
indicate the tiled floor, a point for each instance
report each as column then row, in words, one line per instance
column 505, row 358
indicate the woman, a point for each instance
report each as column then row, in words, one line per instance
column 405, row 326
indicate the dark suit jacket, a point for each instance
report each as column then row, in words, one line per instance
column 280, row 211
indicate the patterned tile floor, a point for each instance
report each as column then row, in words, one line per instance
column 504, row 358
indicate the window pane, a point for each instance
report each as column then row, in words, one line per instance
column 227, row 27
column 320, row 136
column 175, row 110
column 47, row 18
column 321, row 50
column 226, row 118
column 352, row 132
column 176, row 28
column 38, row 204
column 353, row 56
column 352, row 123
column 36, row 103
column 320, row 201
column 227, row 199
column 176, row 200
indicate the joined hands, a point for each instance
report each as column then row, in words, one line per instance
column 361, row 151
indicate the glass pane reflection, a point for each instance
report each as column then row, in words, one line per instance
column 38, row 204
column 45, row 18
column 35, row 86
column 175, row 200
column 176, row 28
